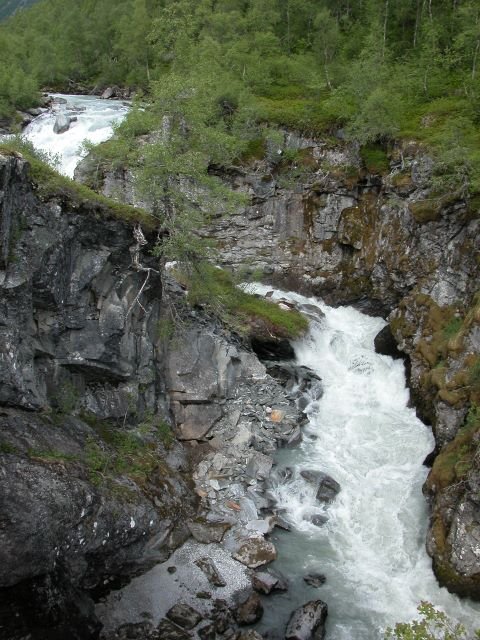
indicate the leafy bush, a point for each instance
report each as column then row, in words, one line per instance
column 433, row 625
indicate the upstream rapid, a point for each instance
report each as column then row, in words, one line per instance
column 361, row 432
column 95, row 120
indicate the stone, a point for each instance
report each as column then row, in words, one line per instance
column 207, row 532
column 249, row 635
column 386, row 345
column 184, row 615
column 307, row 622
column 255, row 552
column 207, row 632
column 167, row 630
column 62, row 123
column 327, row 487
column 108, row 93
column 318, row 519
column 221, row 615
column 135, row 631
column 250, row 611
column 315, row 579
column 267, row 581
column 209, row 568
column 259, row 466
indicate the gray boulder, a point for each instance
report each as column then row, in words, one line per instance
column 62, row 123
column 327, row 487
column 308, row 622
column 249, row 611
column 185, row 616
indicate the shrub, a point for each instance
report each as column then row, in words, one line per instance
column 433, row 625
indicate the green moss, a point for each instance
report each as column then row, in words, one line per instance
column 304, row 114
column 375, row 159
column 215, row 289
column 452, row 328
column 426, row 210
column 7, row 448
column 50, row 184
column 51, row 455
column 455, row 460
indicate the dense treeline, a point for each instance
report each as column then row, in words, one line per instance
column 380, row 68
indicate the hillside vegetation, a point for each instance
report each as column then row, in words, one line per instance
column 379, row 69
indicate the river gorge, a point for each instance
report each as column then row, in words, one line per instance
column 255, row 435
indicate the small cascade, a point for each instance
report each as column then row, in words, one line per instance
column 95, row 121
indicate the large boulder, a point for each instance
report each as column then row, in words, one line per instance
column 62, row 123
column 308, row 622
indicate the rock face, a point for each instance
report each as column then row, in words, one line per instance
column 86, row 497
column 90, row 401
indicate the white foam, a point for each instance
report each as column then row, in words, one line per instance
column 94, row 124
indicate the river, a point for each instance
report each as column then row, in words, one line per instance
column 95, row 121
column 361, row 432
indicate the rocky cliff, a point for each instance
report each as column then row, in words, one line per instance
column 365, row 226
column 118, row 443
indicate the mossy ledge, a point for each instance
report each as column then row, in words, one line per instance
column 50, row 184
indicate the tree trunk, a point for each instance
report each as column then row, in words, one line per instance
column 474, row 64
column 385, row 29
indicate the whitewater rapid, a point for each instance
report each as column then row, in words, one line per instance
column 96, row 119
column 362, row 433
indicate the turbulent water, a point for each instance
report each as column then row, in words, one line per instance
column 363, row 434
column 95, row 120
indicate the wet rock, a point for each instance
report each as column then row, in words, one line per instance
column 327, row 487
column 222, row 616
column 208, row 567
column 256, row 552
column 207, row 632
column 386, row 344
column 108, row 93
column 315, row 579
column 318, row 519
column 184, row 615
column 249, row 611
column 167, row 630
column 308, row 622
column 207, row 532
column 268, row 581
column 272, row 349
column 62, row 123
column 249, row 635
column 133, row 631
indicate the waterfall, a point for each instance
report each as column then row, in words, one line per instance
column 95, row 121
column 362, row 433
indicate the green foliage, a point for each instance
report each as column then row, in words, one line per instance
column 474, row 372
column 51, row 184
column 375, row 159
column 66, row 398
column 455, row 460
column 452, row 327
column 432, row 625
column 51, row 455
column 214, row 289
column 7, row 448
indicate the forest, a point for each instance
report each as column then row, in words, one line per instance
column 375, row 70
